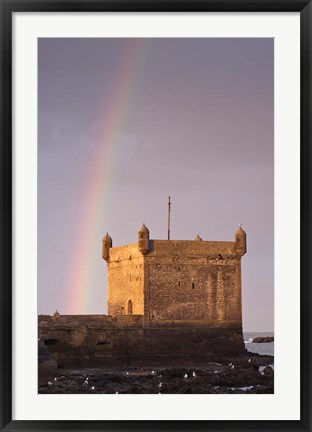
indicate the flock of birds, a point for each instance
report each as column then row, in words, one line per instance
column 185, row 376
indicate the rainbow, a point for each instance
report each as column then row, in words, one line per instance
column 81, row 275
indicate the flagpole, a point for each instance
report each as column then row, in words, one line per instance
column 169, row 208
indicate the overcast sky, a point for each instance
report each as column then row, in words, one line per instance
column 123, row 123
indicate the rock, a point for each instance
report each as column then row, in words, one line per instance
column 241, row 377
column 216, row 367
column 265, row 339
column 214, row 379
column 45, row 358
column 244, row 378
column 268, row 371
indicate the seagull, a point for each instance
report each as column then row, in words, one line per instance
column 49, row 383
column 230, row 364
column 194, row 374
column 55, row 379
column 215, row 371
column 249, row 360
column 87, row 379
column 92, row 388
column 185, row 376
column 232, row 367
column 153, row 372
column 116, row 392
column 160, row 385
column 85, row 383
column 127, row 373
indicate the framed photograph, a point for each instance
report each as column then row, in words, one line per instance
column 155, row 220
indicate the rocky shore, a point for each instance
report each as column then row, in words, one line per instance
column 263, row 339
column 244, row 375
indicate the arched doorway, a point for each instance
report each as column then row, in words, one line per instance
column 130, row 307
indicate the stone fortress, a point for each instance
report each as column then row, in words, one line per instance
column 169, row 302
column 176, row 280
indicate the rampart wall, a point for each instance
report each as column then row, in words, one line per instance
column 96, row 340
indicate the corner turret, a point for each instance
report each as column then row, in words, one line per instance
column 143, row 239
column 240, row 240
column 107, row 243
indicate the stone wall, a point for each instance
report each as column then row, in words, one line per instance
column 176, row 280
column 191, row 248
column 95, row 340
column 193, row 280
column 125, row 281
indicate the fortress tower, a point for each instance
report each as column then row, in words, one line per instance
column 170, row 302
column 181, row 281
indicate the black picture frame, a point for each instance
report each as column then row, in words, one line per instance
column 8, row 7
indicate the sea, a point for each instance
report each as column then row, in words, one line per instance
column 259, row 348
